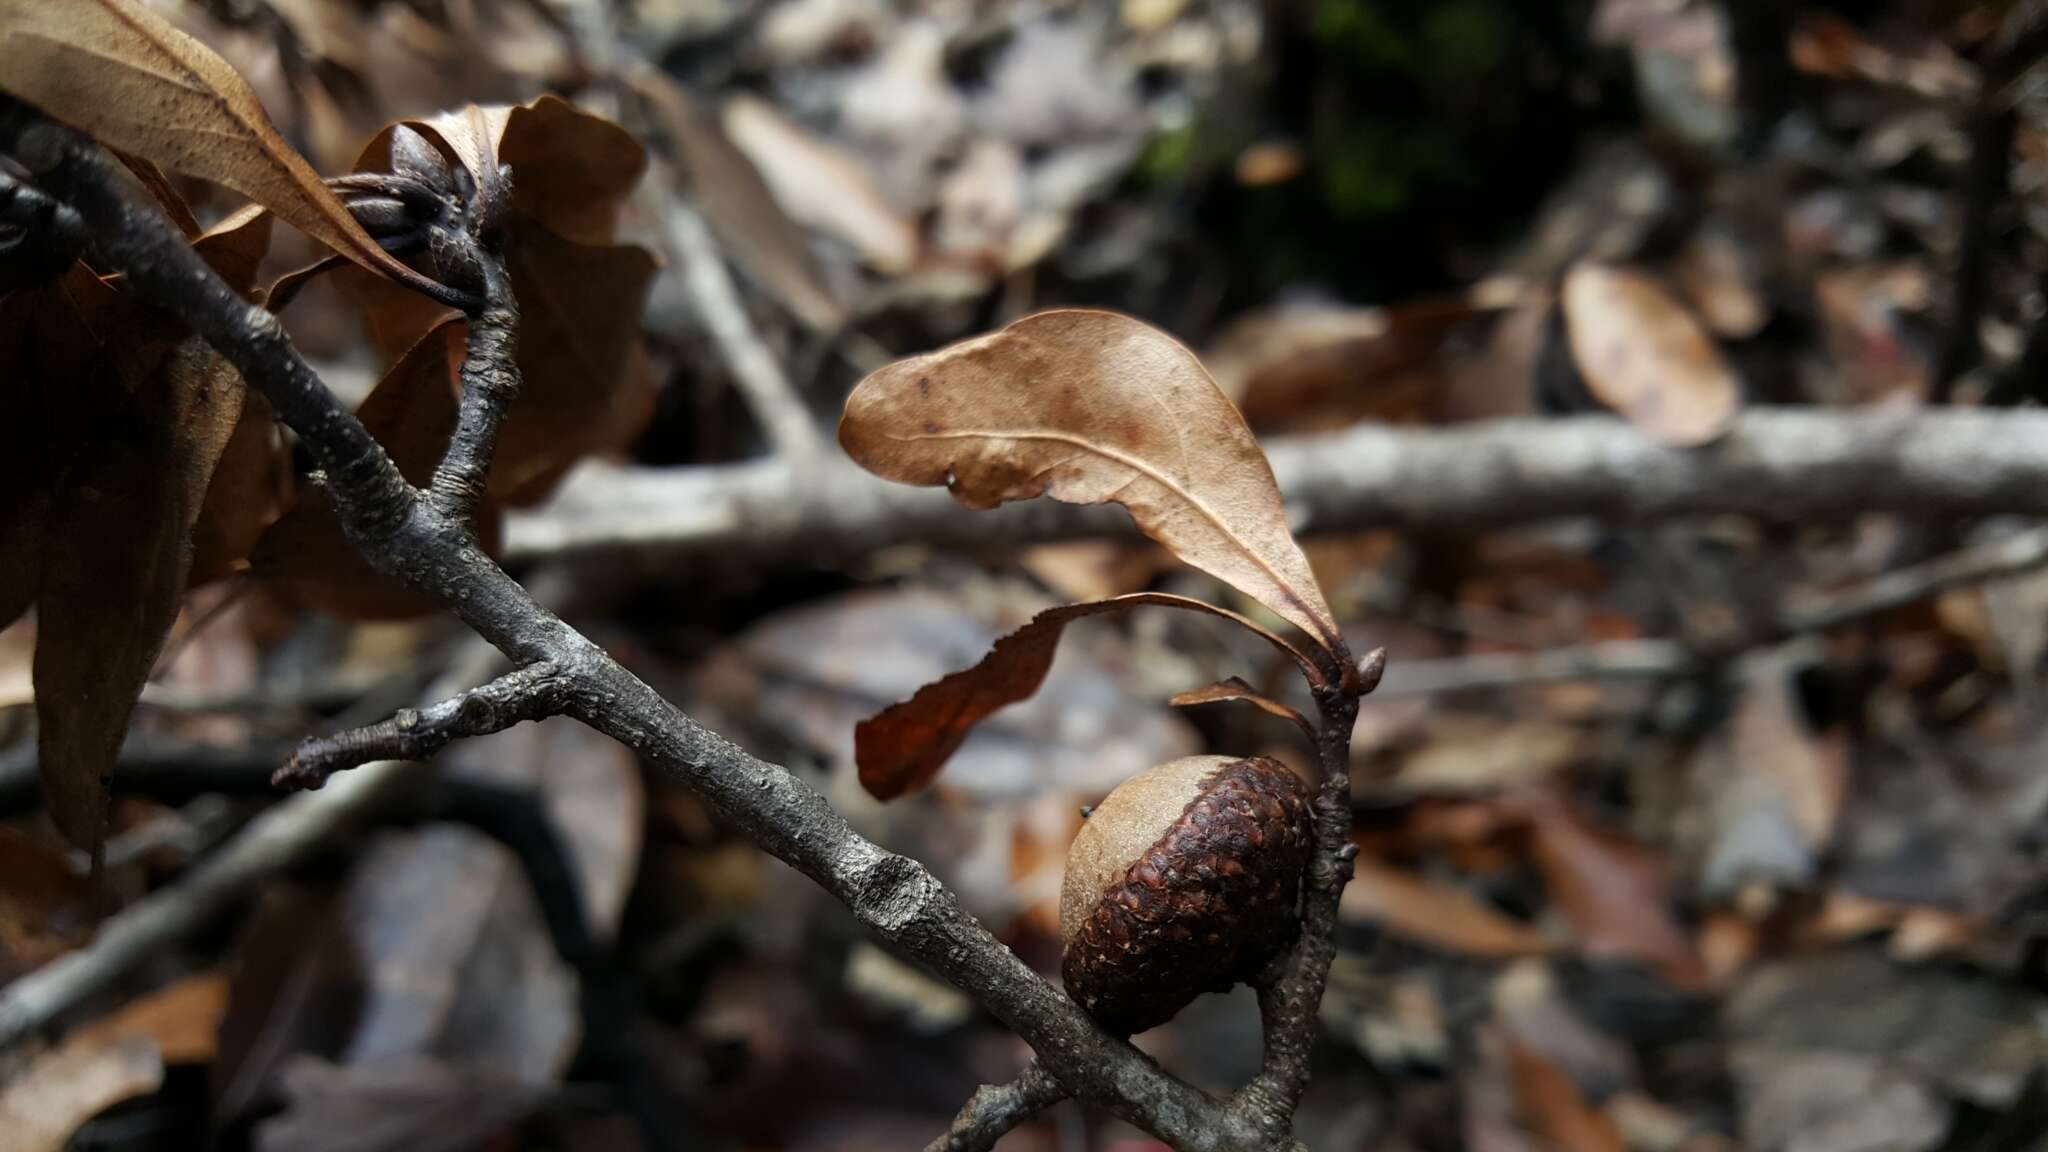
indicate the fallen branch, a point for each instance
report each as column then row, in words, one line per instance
column 1786, row 465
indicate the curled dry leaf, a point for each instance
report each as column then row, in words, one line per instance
column 902, row 747
column 123, row 75
column 1644, row 355
column 1235, row 688
column 1089, row 407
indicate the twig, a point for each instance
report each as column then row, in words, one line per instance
column 1993, row 123
column 994, row 1109
column 1291, row 992
column 2005, row 556
column 531, row 693
column 716, row 299
column 1785, row 465
column 400, row 535
column 490, row 382
column 1614, row 660
column 272, row 842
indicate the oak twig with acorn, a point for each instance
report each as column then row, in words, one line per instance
column 1191, row 877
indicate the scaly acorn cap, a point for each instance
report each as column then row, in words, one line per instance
column 1186, row 879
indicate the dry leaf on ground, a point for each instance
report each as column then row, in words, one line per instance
column 1613, row 890
column 1435, row 914
column 1643, row 354
column 42, row 1108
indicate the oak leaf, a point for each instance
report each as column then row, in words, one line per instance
column 125, row 76
column 1089, row 407
column 116, row 422
column 901, row 748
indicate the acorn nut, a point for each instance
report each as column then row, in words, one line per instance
column 1186, row 880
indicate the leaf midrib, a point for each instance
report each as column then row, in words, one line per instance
column 1139, row 465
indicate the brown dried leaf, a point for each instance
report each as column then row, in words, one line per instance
column 584, row 386
column 1235, row 688
column 901, row 748
column 113, row 569
column 1554, row 1109
column 43, row 1107
column 1089, row 407
column 251, row 488
column 735, row 198
column 1613, row 890
column 1643, row 355
column 122, row 74
column 236, row 246
column 183, row 1019
column 572, row 171
column 822, row 185
column 1435, row 914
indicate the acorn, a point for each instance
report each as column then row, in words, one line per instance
column 1185, row 880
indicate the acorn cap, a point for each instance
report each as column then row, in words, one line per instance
column 1185, row 880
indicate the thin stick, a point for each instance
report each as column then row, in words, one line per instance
column 755, row 369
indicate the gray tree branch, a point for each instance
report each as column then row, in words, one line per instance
column 1782, row 464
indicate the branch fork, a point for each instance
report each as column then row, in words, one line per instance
column 427, row 541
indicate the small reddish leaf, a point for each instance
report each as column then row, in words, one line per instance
column 1236, row 689
column 1091, row 407
column 901, row 748
column 122, row 74
column 1643, row 355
